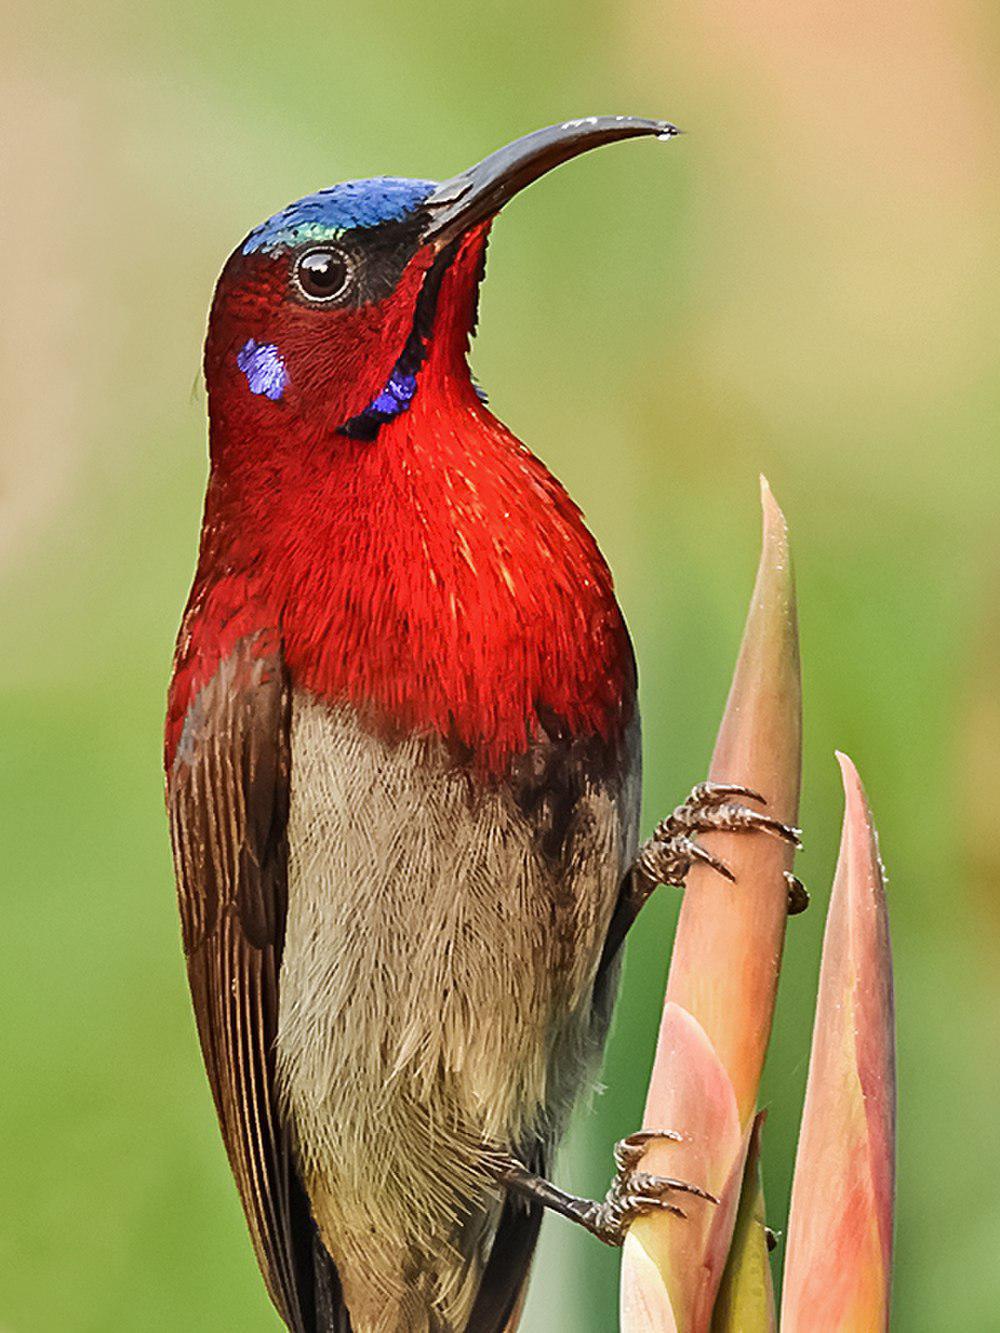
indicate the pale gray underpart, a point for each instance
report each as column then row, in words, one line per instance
column 436, row 997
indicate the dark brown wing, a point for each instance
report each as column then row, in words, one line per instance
column 227, row 795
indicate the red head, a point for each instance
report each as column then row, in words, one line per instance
column 416, row 560
column 319, row 304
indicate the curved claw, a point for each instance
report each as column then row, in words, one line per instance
column 669, row 854
column 714, row 793
column 644, row 1204
column 643, row 1137
column 703, row 854
column 741, row 816
column 644, row 1183
column 628, row 1152
column 798, row 894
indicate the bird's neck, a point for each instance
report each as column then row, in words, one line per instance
column 437, row 578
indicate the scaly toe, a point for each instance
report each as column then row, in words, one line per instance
column 611, row 1220
column 655, row 1186
column 735, row 818
column 715, row 793
column 638, row 1205
column 699, row 853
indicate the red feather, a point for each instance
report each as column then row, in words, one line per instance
column 438, row 578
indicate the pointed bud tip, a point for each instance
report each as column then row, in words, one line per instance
column 839, row 1251
column 847, row 764
column 775, row 523
column 855, row 796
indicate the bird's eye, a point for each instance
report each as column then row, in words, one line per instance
column 323, row 275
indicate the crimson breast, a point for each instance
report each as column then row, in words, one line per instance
column 449, row 587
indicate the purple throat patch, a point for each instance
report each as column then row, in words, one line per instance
column 385, row 406
column 395, row 397
column 263, row 367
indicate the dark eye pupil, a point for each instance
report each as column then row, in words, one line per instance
column 323, row 273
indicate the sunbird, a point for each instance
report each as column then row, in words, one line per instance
column 403, row 771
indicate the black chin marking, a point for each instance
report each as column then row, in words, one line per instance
column 402, row 384
column 394, row 398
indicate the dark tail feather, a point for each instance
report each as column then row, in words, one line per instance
column 319, row 1299
column 506, row 1272
column 331, row 1312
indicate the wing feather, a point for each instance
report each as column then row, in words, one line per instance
column 228, row 802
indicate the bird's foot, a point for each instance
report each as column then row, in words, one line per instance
column 667, row 857
column 633, row 1193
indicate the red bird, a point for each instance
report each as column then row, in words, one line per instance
column 403, row 770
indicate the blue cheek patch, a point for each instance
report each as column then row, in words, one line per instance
column 263, row 367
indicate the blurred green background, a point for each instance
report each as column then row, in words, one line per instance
column 805, row 285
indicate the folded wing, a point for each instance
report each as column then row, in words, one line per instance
column 227, row 795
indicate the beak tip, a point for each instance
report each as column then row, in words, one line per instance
column 482, row 190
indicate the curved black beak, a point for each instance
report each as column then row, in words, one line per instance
column 476, row 194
